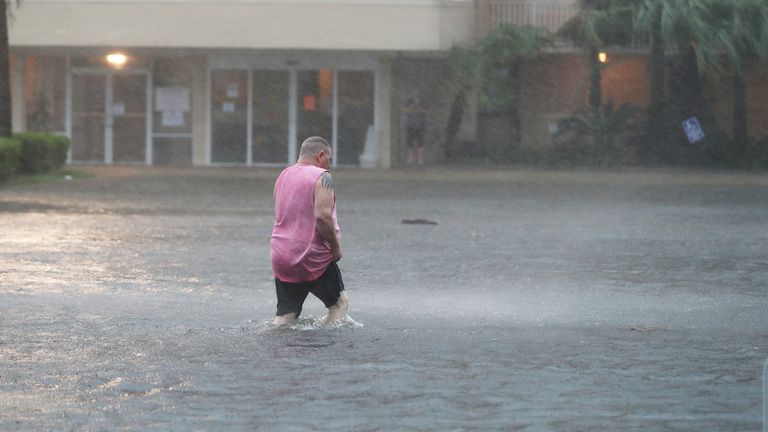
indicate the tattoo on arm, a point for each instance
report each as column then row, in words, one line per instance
column 327, row 181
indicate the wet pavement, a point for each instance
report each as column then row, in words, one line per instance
column 139, row 299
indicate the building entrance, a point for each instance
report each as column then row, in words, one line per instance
column 260, row 116
column 110, row 117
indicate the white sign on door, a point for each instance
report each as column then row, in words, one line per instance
column 172, row 99
column 173, row 118
column 233, row 91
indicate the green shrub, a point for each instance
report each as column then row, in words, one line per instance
column 42, row 152
column 596, row 137
column 10, row 153
column 760, row 153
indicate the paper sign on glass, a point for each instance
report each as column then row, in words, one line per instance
column 173, row 118
column 172, row 99
column 232, row 91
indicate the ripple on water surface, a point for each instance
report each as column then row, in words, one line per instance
column 306, row 323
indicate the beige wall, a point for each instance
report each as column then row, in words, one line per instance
column 625, row 80
column 553, row 86
column 557, row 85
column 279, row 24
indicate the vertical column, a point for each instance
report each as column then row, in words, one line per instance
column 249, row 120
column 482, row 18
column 150, row 133
column 200, row 112
column 68, row 109
column 382, row 111
column 335, row 118
column 108, row 117
column 18, row 102
column 293, row 113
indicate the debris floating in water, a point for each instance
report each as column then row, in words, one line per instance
column 644, row 329
column 418, row 222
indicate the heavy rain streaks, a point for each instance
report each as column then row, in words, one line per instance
column 141, row 299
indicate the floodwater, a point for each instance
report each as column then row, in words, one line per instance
column 139, row 299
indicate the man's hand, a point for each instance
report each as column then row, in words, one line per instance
column 324, row 202
column 337, row 254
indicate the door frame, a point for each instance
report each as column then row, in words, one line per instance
column 109, row 117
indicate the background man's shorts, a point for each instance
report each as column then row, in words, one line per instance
column 291, row 295
column 414, row 137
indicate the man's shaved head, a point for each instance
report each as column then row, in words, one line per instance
column 312, row 146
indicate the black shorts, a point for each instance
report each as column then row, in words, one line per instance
column 414, row 137
column 291, row 295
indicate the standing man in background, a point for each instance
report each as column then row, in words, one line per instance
column 305, row 238
column 415, row 129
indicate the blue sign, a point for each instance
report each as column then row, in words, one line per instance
column 693, row 130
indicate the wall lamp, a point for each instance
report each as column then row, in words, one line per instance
column 117, row 60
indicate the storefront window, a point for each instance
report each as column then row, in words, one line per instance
column 315, row 93
column 46, row 94
column 355, row 115
column 172, row 120
column 88, row 117
column 270, row 116
column 229, row 115
column 271, row 108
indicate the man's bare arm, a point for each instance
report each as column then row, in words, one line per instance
column 324, row 200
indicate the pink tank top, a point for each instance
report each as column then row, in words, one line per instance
column 299, row 252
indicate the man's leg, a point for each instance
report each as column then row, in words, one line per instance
column 338, row 312
column 290, row 298
column 330, row 290
column 410, row 143
column 287, row 319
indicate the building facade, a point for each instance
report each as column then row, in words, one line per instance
column 242, row 82
column 207, row 82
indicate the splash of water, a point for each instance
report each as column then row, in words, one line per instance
column 310, row 322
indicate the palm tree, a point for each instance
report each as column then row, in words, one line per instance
column 701, row 34
column 743, row 38
column 503, row 52
column 494, row 62
column 600, row 23
column 5, row 85
column 682, row 48
column 466, row 63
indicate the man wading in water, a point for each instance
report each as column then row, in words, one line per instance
column 305, row 239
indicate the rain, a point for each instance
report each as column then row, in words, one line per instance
column 537, row 236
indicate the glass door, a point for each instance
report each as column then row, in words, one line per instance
column 88, row 117
column 315, row 104
column 270, row 121
column 129, row 118
column 109, row 117
column 355, row 115
column 262, row 116
column 229, row 116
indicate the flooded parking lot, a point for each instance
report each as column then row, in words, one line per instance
column 140, row 299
